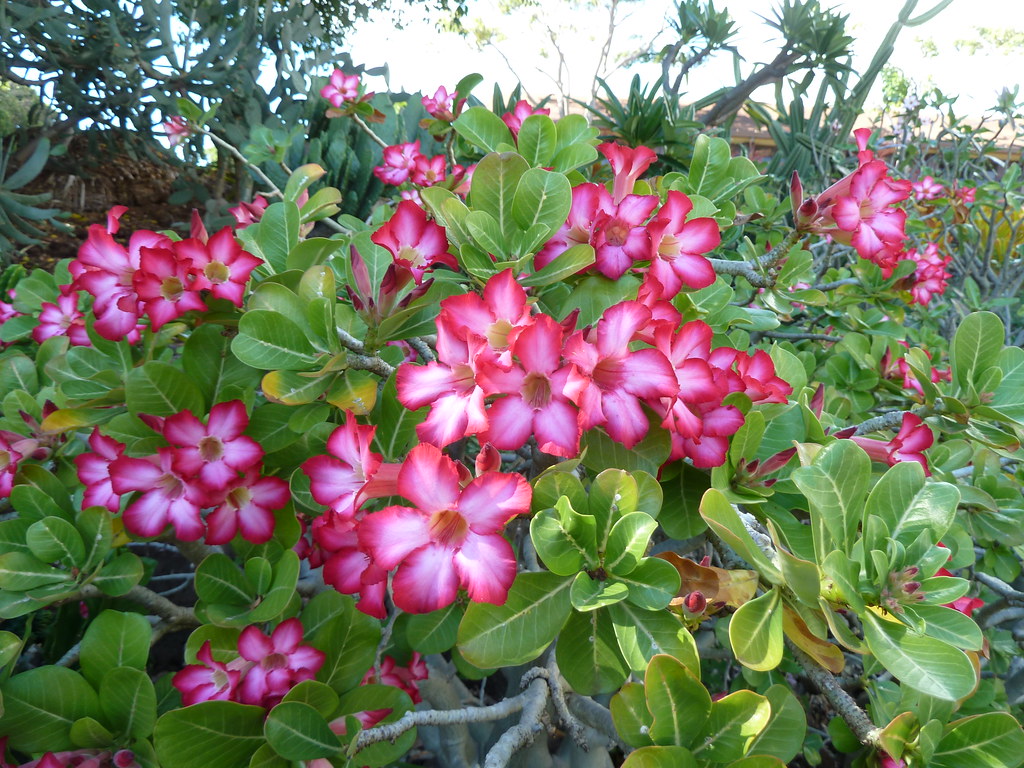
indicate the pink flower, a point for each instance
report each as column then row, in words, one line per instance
column 164, row 284
column 497, row 317
column 219, row 265
column 62, row 319
column 909, row 443
column 442, row 106
column 628, row 165
column 249, row 213
column 521, row 111
column 177, row 129
column 94, row 471
column 887, row 762
column 451, row 538
column 965, row 195
column 279, row 662
column 346, row 566
column 214, row 454
column 399, row 161
column 248, row 507
column 403, row 678
column 416, row 243
column 209, row 681
column 166, row 496
column 535, row 400
column 927, row 189
column 678, row 245
column 353, row 473
column 615, row 378
column 9, row 458
column 342, row 88
column 930, row 277
column 428, row 171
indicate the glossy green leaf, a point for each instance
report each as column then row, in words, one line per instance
column 349, row 641
column 117, row 577
column 735, row 721
column 725, row 521
column 208, row 362
column 564, row 539
column 537, row 140
column 494, row 186
column 660, row 757
column 678, row 701
column 588, row 654
column 631, row 716
column 642, row 635
column 128, row 701
column 483, row 128
column 270, row 341
column 835, row 485
column 115, row 639
column 371, row 697
column 566, row 264
column 628, row 541
column 991, row 740
column 296, row 731
column 652, row 584
column 921, row 662
column 542, row 198
column 783, row 737
column 54, row 538
column 161, row 389
column 211, row 734
column 434, row 632
column 950, row 626
column 908, row 504
column 518, row 631
column 219, row 580
column 20, row 572
column 976, row 346
column 40, row 706
column 755, row 632
column 588, row 593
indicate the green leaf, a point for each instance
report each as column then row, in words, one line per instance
column 270, row 341
column 920, row 662
column 537, row 140
column 950, row 626
column 371, row 697
column 282, row 590
column 17, row 371
column 588, row 655
column 45, row 483
column 976, row 346
column 349, row 642
column 277, row 233
column 211, row 734
column 487, row 234
column 296, row 731
column 54, row 538
column 678, row 701
column 1009, row 395
column 90, row 732
column 735, row 721
column 97, row 533
column 660, row 757
column 208, row 362
column 434, row 632
column 128, row 701
column 40, row 706
column 630, row 714
column 628, row 542
column 483, row 128
column 652, row 584
column 493, row 189
column 783, row 737
column 589, row 593
column 566, row 264
column 725, row 521
column 648, row 455
column 115, row 639
column 991, row 740
column 835, row 485
column 20, row 572
column 709, row 166
column 755, row 632
column 518, row 631
column 561, row 538
column 219, row 580
column 541, row 198
column 642, row 635
column 118, row 576
column 319, row 696
column 907, row 504
column 161, row 389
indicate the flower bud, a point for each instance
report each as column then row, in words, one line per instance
column 695, row 602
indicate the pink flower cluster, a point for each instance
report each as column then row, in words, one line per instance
column 209, row 466
column 930, row 276
column 64, row 318
column 177, row 129
column 616, row 224
column 859, row 209
column 541, row 378
column 927, row 188
column 78, row 758
column 900, row 369
column 402, row 678
column 156, row 277
column 405, row 163
column 451, row 539
column 265, row 670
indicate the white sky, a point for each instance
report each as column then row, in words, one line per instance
column 420, row 58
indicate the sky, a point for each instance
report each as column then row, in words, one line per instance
column 420, row 58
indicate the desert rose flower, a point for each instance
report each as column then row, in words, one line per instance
column 166, row 496
column 219, row 265
column 521, row 111
column 451, row 538
column 210, row 680
column 908, row 444
column 248, row 508
column 415, row 243
column 62, row 319
column 399, row 162
column 628, row 164
column 279, row 662
column 94, row 471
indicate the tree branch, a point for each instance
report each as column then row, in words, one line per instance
column 515, row 738
column 176, row 615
